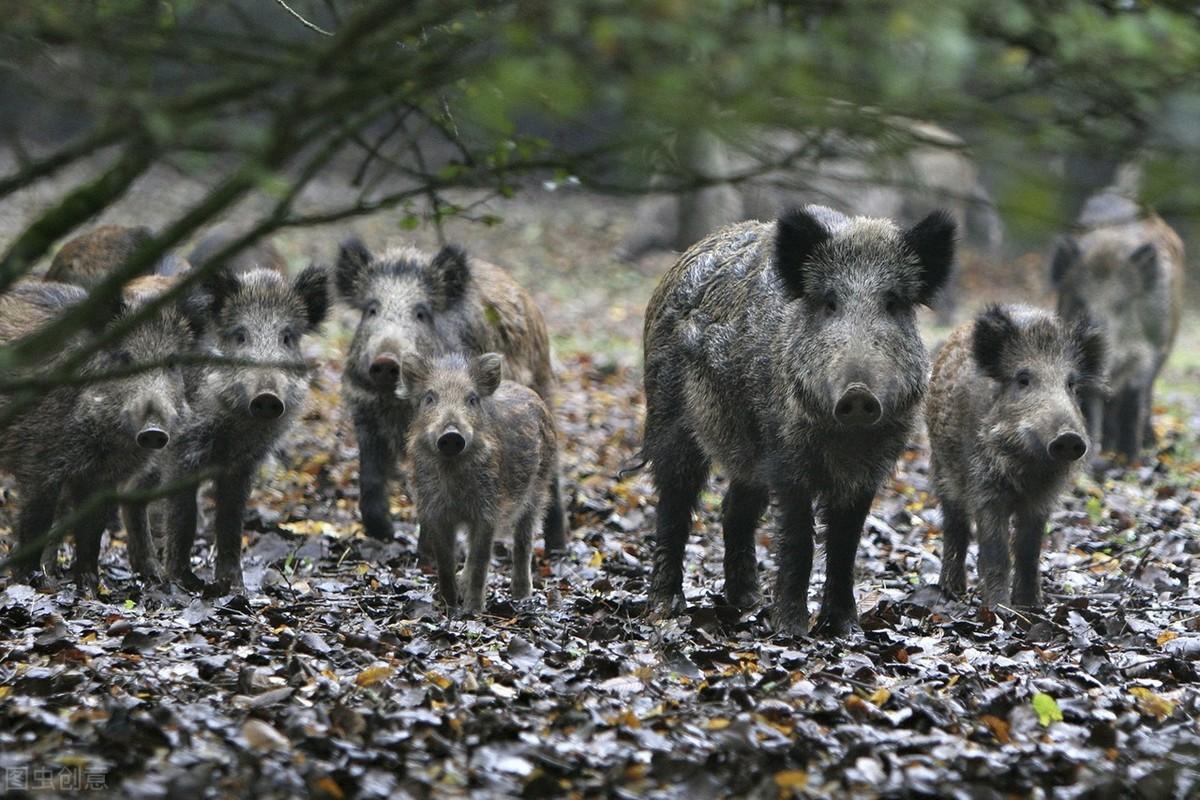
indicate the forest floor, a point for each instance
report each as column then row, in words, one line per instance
column 336, row 675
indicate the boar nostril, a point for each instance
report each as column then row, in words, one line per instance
column 385, row 370
column 266, row 406
column 451, row 443
column 1067, row 447
column 152, row 438
column 858, row 407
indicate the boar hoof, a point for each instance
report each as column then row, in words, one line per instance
column 742, row 597
column 836, row 624
column 190, row 581
column 87, row 585
column 659, row 607
column 789, row 621
column 379, row 530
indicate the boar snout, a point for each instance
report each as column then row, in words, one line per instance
column 152, row 437
column 1068, row 446
column 385, row 371
column 266, row 405
column 858, row 407
column 451, row 442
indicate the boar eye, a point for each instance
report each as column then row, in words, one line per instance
column 238, row 336
column 831, row 304
column 892, row 304
column 1024, row 379
column 428, row 399
column 289, row 339
column 123, row 358
column 421, row 312
column 473, row 400
column 373, row 310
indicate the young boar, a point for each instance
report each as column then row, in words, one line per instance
column 788, row 352
column 1127, row 275
column 240, row 412
column 1006, row 429
column 76, row 441
column 414, row 304
column 89, row 258
column 483, row 454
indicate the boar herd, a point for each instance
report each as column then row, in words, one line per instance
column 786, row 353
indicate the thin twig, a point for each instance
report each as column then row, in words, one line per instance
column 311, row 26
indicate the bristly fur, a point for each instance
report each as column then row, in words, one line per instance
column 1066, row 255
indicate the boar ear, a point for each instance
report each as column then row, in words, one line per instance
column 353, row 259
column 194, row 308
column 994, row 330
column 932, row 241
column 313, row 287
column 487, row 371
column 1092, row 348
column 1066, row 254
column 414, row 371
column 1145, row 261
column 449, row 274
column 220, row 285
column 797, row 236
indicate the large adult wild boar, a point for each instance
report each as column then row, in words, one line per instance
column 1123, row 269
column 788, row 353
column 414, row 303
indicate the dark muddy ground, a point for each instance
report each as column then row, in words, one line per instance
column 336, row 676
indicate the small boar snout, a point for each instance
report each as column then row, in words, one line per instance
column 152, row 437
column 451, row 442
column 858, row 407
column 1069, row 446
column 266, row 405
column 385, row 370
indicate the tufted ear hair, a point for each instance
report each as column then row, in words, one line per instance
column 932, row 241
column 414, row 372
column 313, row 287
column 1066, row 255
column 1091, row 347
column 194, row 308
column 449, row 275
column 797, row 236
column 487, row 371
column 220, row 284
column 352, row 262
column 994, row 331
column 1145, row 261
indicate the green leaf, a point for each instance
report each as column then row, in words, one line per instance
column 1095, row 509
column 1047, row 709
column 129, row 604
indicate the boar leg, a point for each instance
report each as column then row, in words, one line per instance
column 956, row 535
column 479, row 557
column 135, row 517
column 790, row 612
column 1027, row 549
column 1131, row 422
column 843, row 530
column 442, row 540
column 88, row 535
column 680, row 469
column 522, row 557
column 554, row 529
column 992, row 526
column 741, row 509
column 181, row 535
column 33, row 523
column 233, row 489
column 375, row 461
